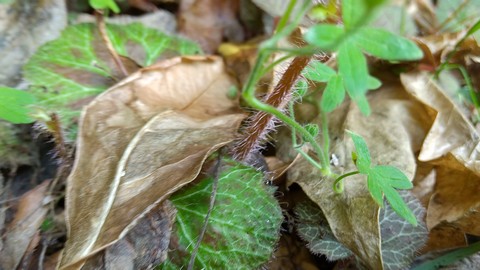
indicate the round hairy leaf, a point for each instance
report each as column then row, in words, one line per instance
column 243, row 226
column 14, row 105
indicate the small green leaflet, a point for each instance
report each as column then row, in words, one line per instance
column 325, row 36
column 14, row 105
column 383, row 180
column 386, row 45
column 104, row 4
column 334, row 94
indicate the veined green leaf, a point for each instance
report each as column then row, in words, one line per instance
column 243, row 226
column 333, row 95
column 396, row 178
column 318, row 71
column 386, row 45
column 363, row 155
column 384, row 179
column 325, row 36
column 14, row 105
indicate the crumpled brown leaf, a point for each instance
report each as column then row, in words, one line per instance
column 452, row 146
column 21, row 231
column 140, row 141
column 393, row 132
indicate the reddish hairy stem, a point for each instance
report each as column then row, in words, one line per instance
column 261, row 121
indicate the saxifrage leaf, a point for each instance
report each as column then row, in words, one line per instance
column 243, row 227
column 14, row 105
column 386, row 45
column 65, row 74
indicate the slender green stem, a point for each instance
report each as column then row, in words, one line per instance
column 338, row 184
column 326, row 136
column 284, row 20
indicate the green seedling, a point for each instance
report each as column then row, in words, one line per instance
column 381, row 180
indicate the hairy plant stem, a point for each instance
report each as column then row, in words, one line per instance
column 278, row 98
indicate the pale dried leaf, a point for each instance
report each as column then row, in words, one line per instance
column 20, row 232
column 139, row 142
column 393, row 132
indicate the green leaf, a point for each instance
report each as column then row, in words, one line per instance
column 363, row 162
column 325, row 36
column 386, row 45
column 14, row 105
column 243, row 227
column 68, row 72
column 333, row 95
column 397, row 178
column 104, row 4
column 383, row 179
column 352, row 66
column 373, row 83
column 353, row 12
column 318, row 72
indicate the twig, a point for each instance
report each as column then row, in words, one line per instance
column 102, row 28
column 213, row 196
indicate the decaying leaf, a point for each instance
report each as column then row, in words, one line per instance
column 394, row 132
column 452, row 145
column 139, row 142
column 144, row 246
column 19, row 233
column 210, row 21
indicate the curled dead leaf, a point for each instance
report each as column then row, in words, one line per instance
column 140, row 141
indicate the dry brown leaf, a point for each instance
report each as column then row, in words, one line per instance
column 394, row 132
column 444, row 237
column 209, row 21
column 20, row 232
column 139, row 142
column 451, row 146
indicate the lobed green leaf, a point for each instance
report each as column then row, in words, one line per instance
column 104, row 4
column 395, row 177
